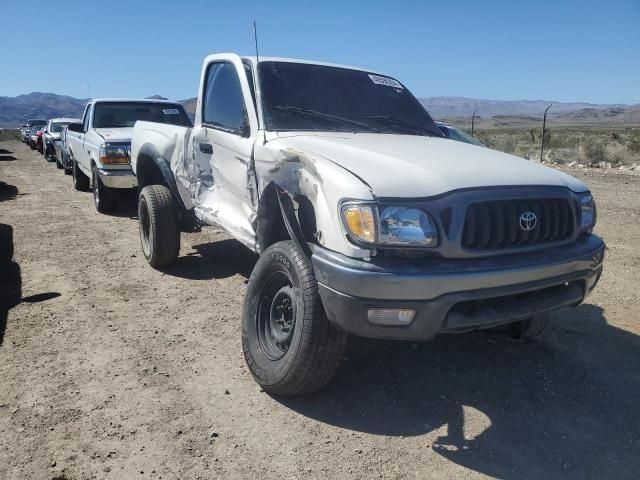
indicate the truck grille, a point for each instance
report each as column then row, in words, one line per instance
column 497, row 224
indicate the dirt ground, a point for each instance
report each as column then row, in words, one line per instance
column 110, row 369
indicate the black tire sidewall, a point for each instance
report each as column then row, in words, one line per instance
column 267, row 371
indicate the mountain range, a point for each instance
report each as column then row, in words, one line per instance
column 15, row 110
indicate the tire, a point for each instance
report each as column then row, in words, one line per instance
column 10, row 285
column 80, row 180
column 6, row 243
column 58, row 163
column 65, row 162
column 159, row 225
column 290, row 346
column 530, row 329
column 104, row 197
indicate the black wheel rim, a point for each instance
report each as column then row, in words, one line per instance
column 145, row 227
column 276, row 316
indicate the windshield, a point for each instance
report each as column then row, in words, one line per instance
column 298, row 96
column 459, row 135
column 57, row 127
column 125, row 114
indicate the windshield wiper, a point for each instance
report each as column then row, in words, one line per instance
column 326, row 116
column 403, row 123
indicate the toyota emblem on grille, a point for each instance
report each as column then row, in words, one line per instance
column 528, row 221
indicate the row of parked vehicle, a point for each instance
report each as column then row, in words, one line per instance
column 95, row 149
column 367, row 217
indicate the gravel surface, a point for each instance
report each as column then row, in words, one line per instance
column 110, row 369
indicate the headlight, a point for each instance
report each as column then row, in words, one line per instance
column 587, row 212
column 406, row 226
column 114, row 154
column 389, row 225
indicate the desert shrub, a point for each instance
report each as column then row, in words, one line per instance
column 594, row 151
column 9, row 134
column 633, row 145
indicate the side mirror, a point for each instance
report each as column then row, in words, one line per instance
column 75, row 127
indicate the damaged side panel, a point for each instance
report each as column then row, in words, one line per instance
column 318, row 181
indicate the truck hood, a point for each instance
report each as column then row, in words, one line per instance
column 115, row 134
column 415, row 166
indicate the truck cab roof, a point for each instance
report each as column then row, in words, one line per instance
column 252, row 60
column 137, row 100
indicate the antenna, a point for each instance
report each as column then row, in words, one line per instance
column 88, row 88
column 255, row 39
column 255, row 80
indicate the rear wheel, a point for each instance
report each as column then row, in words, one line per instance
column 80, row 180
column 104, row 197
column 289, row 344
column 159, row 225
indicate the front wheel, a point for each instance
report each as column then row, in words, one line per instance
column 104, row 197
column 159, row 225
column 80, row 180
column 289, row 344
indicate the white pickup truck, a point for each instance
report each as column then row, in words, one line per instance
column 367, row 220
column 99, row 146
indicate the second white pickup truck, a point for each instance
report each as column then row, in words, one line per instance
column 99, row 146
column 367, row 219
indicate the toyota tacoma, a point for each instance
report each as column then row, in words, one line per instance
column 366, row 219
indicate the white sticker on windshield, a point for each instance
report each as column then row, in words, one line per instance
column 389, row 82
column 170, row 111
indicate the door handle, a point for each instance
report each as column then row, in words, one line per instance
column 206, row 148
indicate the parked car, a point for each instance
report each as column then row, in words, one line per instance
column 27, row 130
column 52, row 138
column 33, row 136
column 457, row 134
column 367, row 220
column 99, row 147
column 61, row 150
column 23, row 132
column 40, row 139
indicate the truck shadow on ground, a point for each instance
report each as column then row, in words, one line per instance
column 126, row 204
column 11, row 280
column 212, row 260
column 565, row 406
column 7, row 191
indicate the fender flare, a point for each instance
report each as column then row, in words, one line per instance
column 163, row 166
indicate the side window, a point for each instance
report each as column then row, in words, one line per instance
column 223, row 104
column 85, row 120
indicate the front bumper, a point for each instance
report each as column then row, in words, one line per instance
column 452, row 295
column 118, row 178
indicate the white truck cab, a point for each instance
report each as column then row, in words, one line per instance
column 367, row 219
column 99, row 146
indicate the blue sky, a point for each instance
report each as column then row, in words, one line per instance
column 554, row 50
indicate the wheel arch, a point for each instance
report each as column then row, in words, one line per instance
column 152, row 168
column 277, row 219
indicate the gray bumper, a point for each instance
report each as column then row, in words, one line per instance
column 455, row 295
column 118, row 178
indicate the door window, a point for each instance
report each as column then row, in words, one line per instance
column 85, row 120
column 223, row 105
